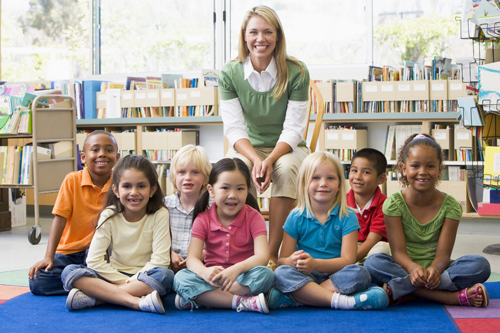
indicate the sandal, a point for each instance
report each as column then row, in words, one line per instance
column 272, row 265
column 464, row 299
column 402, row 299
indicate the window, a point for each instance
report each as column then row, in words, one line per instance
column 50, row 39
column 45, row 40
column 156, row 35
column 319, row 32
column 417, row 31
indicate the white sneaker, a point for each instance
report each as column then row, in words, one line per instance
column 252, row 303
column 152, row 303
column 181, row 303
column 77, row 300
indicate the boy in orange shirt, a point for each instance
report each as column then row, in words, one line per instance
column 76, row 210
column 367, row 171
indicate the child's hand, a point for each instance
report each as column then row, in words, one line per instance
column 177, row 261
column 296, row 256
column 418, row 276
column 433, row 279
column 209, row 273
column 226, row 278
column 46, row 264
column 306, row 264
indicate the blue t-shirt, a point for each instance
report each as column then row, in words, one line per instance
column 321, row 241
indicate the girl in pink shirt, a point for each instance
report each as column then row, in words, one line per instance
column 233, row 273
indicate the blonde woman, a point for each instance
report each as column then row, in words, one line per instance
column 264, row 108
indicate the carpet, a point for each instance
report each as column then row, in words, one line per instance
column 24, row 311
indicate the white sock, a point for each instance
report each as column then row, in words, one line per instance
column 234, row 304
column 342, row 302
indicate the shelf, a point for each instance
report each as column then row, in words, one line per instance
column 384, row 117
column 15, row 186
column 154, row 121
column 477, row 216
column 328, row 117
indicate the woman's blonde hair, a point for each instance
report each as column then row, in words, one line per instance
column 305, row 175
column 279, row 52
column 190, row 153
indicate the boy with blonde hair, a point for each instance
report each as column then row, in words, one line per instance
column 189, row 171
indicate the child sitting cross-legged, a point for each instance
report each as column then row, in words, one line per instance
column 318, row 255
column 422, row 225
column 366, row 173
column 189, row 171
column 234, row 236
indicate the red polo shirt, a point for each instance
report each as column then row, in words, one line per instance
column 372, row 219
column 226, row 247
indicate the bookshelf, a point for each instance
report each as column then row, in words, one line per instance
column 52, row 124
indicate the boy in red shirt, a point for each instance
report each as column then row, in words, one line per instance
column 78, row 204
column 368, row 167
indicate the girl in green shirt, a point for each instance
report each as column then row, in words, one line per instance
column 422, row 224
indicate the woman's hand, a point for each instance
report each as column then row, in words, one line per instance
column 261, row 174
column 226, row 278
column 209, row 273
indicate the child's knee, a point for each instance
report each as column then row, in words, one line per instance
column 74, row 272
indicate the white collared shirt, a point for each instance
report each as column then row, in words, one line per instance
column 232, row 113
column 368, row 204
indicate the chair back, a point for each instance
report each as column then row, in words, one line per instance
column 315, row 102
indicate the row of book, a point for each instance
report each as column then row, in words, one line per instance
column 84, row 93
column 15, row 163
column 413, row 87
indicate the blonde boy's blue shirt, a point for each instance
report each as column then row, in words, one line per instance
column 181, row 223
column 321, row 241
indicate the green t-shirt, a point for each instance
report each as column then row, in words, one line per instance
column 421, row 239
column 263, row 114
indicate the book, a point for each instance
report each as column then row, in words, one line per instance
column 134, row 79
column 209, row 77
column 89, row 90
column 491, row 166
column 489, row 90
column 113, row 103
column 170, row 80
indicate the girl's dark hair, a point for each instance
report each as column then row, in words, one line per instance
column 404, row 152
column 226, row 164
column 144, row 165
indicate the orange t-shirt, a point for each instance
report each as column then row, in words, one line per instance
column 80, row 202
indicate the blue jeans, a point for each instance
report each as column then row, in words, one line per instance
column 348, row 280
column 158, row 278
column 189, row 285
column 462, row 273
column 48, row 283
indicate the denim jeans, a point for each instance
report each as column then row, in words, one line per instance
column 48, row 283
column 189, row 285
column 158, row 278
column 462, row 273
column 348, row 280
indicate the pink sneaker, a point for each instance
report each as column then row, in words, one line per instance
column 252, row 303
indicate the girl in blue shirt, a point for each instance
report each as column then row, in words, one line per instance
column 318, row 255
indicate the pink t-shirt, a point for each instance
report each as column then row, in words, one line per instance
column 226, row 247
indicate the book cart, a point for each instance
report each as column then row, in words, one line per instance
column 50, row 124
column 482, row 178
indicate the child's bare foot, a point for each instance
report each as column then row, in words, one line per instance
column 475, row 296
